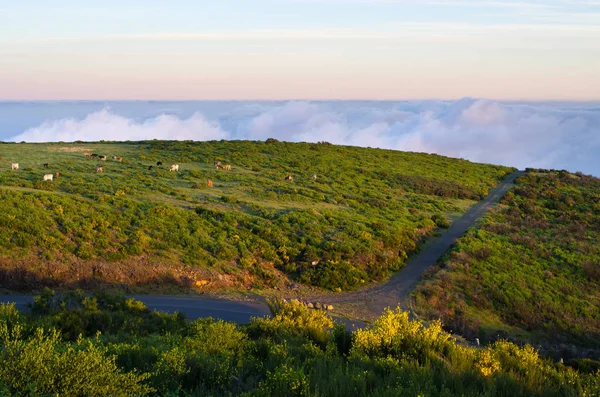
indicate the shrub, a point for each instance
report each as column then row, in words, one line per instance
column 42, row 366
column 291, row 319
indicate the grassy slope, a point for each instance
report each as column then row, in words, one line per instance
column 531, row 271
column 367, row 210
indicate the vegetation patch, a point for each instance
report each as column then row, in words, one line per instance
column 349, row 216
column 108, row 345
column 530, row 272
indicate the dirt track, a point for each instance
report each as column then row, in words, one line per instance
column 369, row 303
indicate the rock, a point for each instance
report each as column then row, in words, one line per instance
column 202, row 283
column 310, row 305
column 295, row 301
column 329, row 307
column 318, row 305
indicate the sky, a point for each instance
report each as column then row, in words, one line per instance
column 299, row 49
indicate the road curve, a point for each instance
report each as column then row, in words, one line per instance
column 371, row 302
column 192, row 307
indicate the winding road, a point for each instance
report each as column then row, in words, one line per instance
column 367, row 304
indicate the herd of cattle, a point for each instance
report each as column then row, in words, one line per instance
column 173, row 167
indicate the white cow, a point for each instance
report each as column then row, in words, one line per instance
column 174, row 167
column 14, row 166
column 48, row 177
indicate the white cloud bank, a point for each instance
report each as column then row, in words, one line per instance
column 523, row 135
column 109, row 126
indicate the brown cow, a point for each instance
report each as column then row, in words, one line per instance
column 56, row 174
column 99, row 168
column 209, row 183
column 289, row 178
column 88, row 155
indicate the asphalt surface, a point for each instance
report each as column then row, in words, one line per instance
column 193, row 308
column 372, row 301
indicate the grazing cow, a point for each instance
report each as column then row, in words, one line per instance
column 94, row 155
column 0, row 158
column 227, row 167
column 209, row 183
column 159, row 163
column 45, row 165
column 150, row 168
column 174, row 167
column 119, row 159
column 103, row 158
column 48, row 177
column 14, row 166
column 99, row 168
column 217, row 164
column 289, row 178
column 56, row 175
column 89, row 155
column 314, row 177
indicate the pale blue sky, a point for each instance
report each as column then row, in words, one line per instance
column 289, row 49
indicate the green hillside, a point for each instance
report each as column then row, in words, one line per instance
column 130, row 225
column 530, row 272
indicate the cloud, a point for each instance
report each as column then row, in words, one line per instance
column 104, row 125
column 548, row 135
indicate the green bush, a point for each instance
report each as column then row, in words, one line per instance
column 42, row 365
column 296, row 353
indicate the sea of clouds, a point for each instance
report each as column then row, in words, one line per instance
column 545, row 135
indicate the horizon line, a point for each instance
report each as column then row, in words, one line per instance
column 311, row 99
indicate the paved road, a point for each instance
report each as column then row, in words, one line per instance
column 239, row 312
column 371, row 302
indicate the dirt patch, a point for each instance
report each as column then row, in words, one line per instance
column 71, row 149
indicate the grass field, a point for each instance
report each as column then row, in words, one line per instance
column 133, row 226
